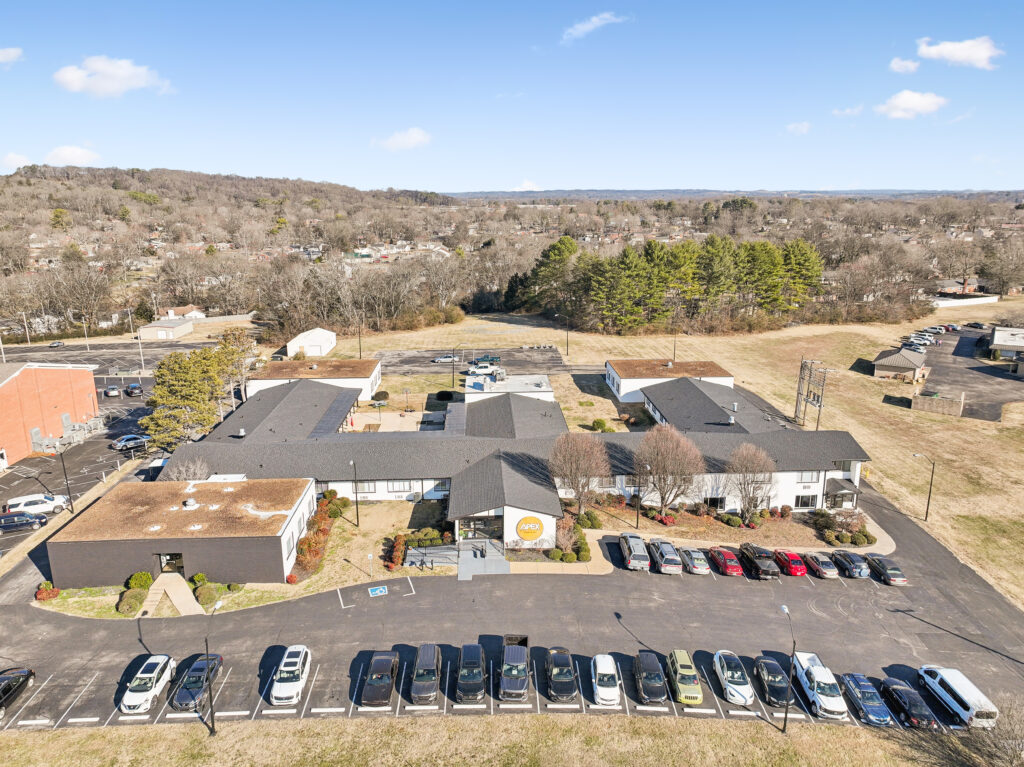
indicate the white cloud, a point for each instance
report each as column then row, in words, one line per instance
column 10, row 55
column 527, row 186
column 906, row 105
column 977, row 53
column 904, row 66
column 71, row 155
column 104, row 77
column 583, row 28
column 405, row 139
column 848, row 111
column 13, row 161
column 798, row 129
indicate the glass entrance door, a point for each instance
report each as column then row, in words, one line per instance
column 483, row 527
column 172, row 563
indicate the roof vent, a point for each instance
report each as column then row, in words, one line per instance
column 190, row 503
column 154, row 528
column 195, row 527
column 241, row 433
column 668, row 364
column 732, row 420
column 313, row 366
column 735, row 407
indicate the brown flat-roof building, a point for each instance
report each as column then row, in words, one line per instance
column 346, row 374
column 627, row 377
column 230, row 528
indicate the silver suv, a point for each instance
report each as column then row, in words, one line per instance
column 39, row 503
column 634, row 552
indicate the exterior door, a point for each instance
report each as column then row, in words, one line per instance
column 483, row 527
column 172, row 563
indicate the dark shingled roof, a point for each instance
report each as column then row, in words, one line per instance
column 692, row 405
column 509, row 416
column 504, row 479
column 905, row 359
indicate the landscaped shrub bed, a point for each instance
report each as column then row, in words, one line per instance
column 131, row 601
column 46, row 592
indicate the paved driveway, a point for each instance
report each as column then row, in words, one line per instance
column 518, row 361
column 954, row 369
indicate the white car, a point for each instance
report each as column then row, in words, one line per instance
column 483, row 369
column 605, row 677
column 290, row 679
column 733, row 678
column 446, row 358
column 155, row 674
column 40, row 503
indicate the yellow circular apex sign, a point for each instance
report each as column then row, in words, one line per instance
column 529, row 528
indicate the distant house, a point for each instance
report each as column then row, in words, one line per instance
column 532, row 386
column 627, row 377
column 899, row 362
column 1008, row 341
column 165, row 330
column 363, row 375
column 189, row 312
column 313, row 343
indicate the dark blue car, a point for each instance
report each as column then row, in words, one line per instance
column 851, row 564
column 21, row 521
column 868, row 704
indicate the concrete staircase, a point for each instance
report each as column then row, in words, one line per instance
column 481, row 557
column 178, row 592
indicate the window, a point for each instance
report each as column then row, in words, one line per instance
column 807, row 476
column 399, row 486
column 845, row 466
column 718, row 502
column 805, row 502
column 441, row 485
column 366, row 487
column 606, row 482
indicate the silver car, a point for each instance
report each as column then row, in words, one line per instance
column 695, row 562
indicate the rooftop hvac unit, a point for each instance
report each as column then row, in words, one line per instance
column 190, row 503
column 735, row 407
column 668, row 364
column 732, row 420
column 241, row 432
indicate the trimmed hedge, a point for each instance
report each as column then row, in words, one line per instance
column 569, row 557
column 199, row 579
column 233, row 587
column 555, row 554
column 206, row 595
column 858, row 540
column 381, row 396
column 830, row 538
column 140, row 580
column 131, row 601
column 732, row 520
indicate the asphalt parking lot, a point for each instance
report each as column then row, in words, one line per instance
column 545, row 360
column 954, row 369
column 110, row 357
column 946, row 615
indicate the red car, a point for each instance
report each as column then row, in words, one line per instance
column 725, row 561
column 790, row 563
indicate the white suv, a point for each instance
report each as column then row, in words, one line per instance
column 37, row 504
column 151, row 680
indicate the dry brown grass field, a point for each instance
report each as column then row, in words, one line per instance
column 980, row 464
column 534, row 741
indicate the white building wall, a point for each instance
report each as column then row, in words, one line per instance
column 367, row 386
column 314, row 343
column 514, row 516
column 380, row 490
column 295, row 527
column 628, row 389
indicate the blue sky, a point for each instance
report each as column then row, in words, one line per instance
column 493, row 96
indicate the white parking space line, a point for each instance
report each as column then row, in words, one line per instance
column 574, row 706
column 328, row 710
column 422, row 708
column 642, row 707
column 468, row 705
column 603, row 707
column 409, row 578
column 711, row 690
column 263, row 693
column 309, row 692
column 355, row 689
column 691, row 710
column 162, row 709
column 375, row 708
column 622, row 685
column 133, row 718
column 268, row 711
column 343, row 605
column 110, row 717
column 181, row 715
column 536, row 686
column 223, row 682
column 809, row 579
column 492, row 689
column 736, row 712
column 516, row 705
column 398, row 703
column 38, row 689
column 579, row 686
column 77, row 698
column 447, row 680
column 33, row 722
column 782, row 715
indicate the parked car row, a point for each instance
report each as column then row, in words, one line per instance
column 132, row 390
column 919, row 339
column 658, row 555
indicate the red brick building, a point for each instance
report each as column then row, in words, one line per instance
column 39, row 400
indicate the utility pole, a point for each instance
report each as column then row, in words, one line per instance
column 24, row 320
column 3, row 354
column 355, row 488
column 142, row 361
column 821, row 398
column 792, row 663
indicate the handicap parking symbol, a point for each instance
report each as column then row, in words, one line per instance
column 378, row 591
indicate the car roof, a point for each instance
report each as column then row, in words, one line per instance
column 963, row 685
column 604, row 662
column 767, row 659
column 891, row 681
column 426, row 653
column 472, row 652
column 682, row 658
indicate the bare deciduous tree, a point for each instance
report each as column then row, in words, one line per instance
column 576, row 461
column 191, row 469
column 749, row 475
column 668, row 463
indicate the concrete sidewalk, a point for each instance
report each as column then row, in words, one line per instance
column 177, row 590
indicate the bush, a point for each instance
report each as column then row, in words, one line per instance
column 701, row 509
column 858, row 540
column 330, row 495
column 599, row 424
column 732, row 520
column 300, row 355
column 584, row 554
column 830, row 538
column 45, row 585
column 46, row 592
column 569, row 557
column 823, row 520
column 767, row 514
column 428, row 532
column 843, row 537
column 786, row 512
column 206, row 595
column 869, row 539
column 445, row 396
column 140, row 580
column 344, row 502
column 233, row 587
column 291, row 579
column 595, row 520
column 555, row 554
column 996, row 355
column 380, row 396
column 397, row 551
column 334, row 510
column 131, row 601
column 199, row 579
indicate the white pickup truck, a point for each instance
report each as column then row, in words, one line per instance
column 820, row 686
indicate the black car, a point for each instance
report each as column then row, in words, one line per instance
column 380, row 679
column 21, row 520
column 851, row 564
column 192, row 691
column 978, row 325
column 426, row 675
column 472, row 679
column 907, row 704
column 13, row 682
column 774, row 681
column 650, row 680
column 760, row 561
column 561, row 675
column 886, row 570
column 134, row 390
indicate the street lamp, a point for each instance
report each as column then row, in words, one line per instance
column 931, row 481
column 67, row 484
column 639, row 498
column 206, row 670
column 566, row 318
column 453, row 361
column 792, row 661
column 355, row 488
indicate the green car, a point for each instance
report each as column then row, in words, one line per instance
column 683, row 679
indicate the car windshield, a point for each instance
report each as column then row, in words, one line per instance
column 379, row 678
column 734, row 671
column 194, row 681
column 869, row 696
column 142, row 684
column 471, row 674
column 828, row 689
column 653, row 677
column 773, row 676
column 698, row 559
column 291, row 674
column 561, row 674
column 425, row 675
column 514, row 670
column 687, row 678
column 607, row 680
column 894, row 570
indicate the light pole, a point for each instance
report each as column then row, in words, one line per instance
column 566, row 318
column 24, row 319
column 792, row 661
column 453, row 361
column 931, row 481
column 639, row 498
column 206, row 670
column 67, row 485
column 142, row 361
column 355, row 488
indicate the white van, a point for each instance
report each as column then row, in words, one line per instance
column 958, row 694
